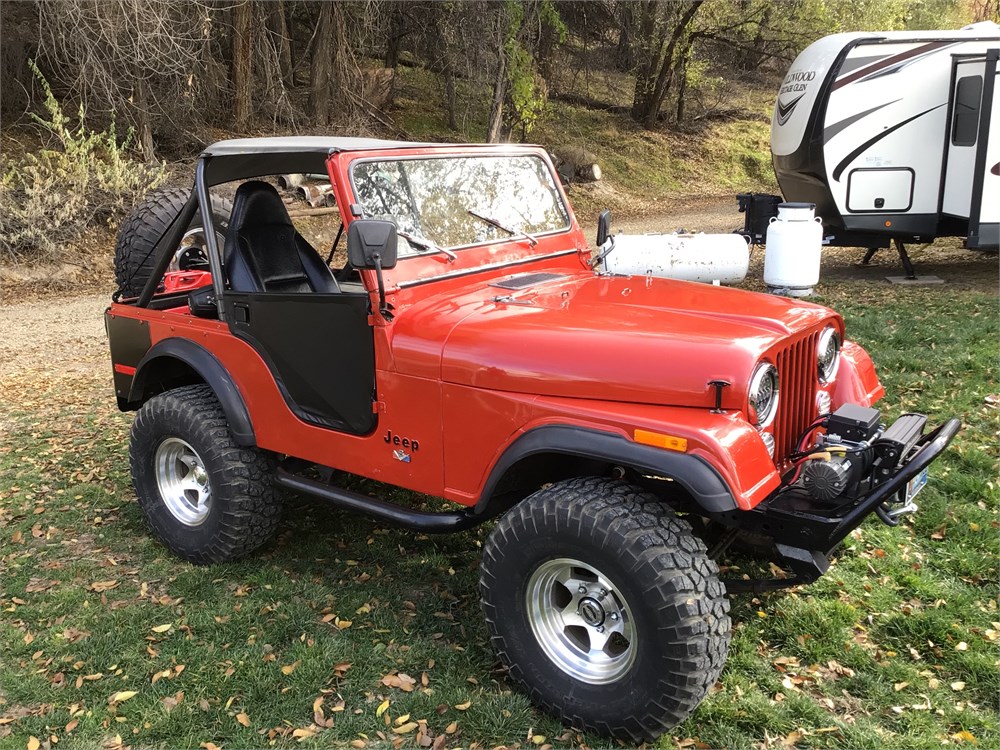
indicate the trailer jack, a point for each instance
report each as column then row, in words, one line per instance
column 903, row 257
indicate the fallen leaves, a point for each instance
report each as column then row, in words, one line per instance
column 124, row 695
column 399, row 680
column 162, row 628
column 171, row 702
column 102, row 586
column 243, row 719
column 290, row 668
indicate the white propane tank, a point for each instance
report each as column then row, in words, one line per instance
column 709, row 258
column 793, row 244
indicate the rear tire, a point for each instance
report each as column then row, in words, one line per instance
column 206, row 498
column 143, row 228
column 605, row 607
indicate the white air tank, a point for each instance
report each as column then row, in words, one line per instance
column 793, row 245
column 709, row 258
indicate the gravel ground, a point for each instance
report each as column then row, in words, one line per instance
column 64, row 334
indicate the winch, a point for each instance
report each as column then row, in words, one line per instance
column 857, row 452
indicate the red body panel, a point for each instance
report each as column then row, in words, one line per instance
column 465, row 374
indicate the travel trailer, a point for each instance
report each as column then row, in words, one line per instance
column 891, row 135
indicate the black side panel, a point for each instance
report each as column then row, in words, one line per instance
column 707, row 488
column 320, row 349
column 987, row 237
column 129, row 342
column 906, row 227
column 983, row 235
column 160, row 365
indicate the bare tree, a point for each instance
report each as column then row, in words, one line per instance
column 277, row 26
column 136, row 59
column 242, row 63
column 660, row 31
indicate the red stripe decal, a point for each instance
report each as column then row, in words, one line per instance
column 888, row 61
column 124, row 369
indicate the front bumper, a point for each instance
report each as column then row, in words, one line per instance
column 806, row 531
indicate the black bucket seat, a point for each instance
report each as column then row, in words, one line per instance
column 264, row 253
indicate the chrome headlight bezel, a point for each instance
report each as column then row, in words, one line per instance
column 764, row 384
column 828, row 355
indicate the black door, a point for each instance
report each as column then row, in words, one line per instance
column 320, row 349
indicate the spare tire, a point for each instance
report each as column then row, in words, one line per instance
column 143, row 228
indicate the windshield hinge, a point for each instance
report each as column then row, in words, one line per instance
column 506, row 299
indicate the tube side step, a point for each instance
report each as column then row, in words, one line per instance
column 410, row 518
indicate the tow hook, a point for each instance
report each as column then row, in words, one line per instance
column 891, row 516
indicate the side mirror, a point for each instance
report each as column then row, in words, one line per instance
column 372, row 244
column 603, row 227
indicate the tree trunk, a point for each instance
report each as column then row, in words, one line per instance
column 396, row 34
column 648, row 46
column 141, row 113
column 442, row 28
column 624, row 57
column 499, row 95
column 242, row 72
column 589, row 172
column 451, row 94
column 547, row 38
column 321, row 68
column 682, row 66
column 667, row 67
column 278, row 27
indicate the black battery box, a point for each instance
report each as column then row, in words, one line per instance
column 853, row 423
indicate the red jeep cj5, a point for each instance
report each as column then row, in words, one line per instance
column 625, row 431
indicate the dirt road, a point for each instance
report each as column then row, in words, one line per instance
column 54, row 334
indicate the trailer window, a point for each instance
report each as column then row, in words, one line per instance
column 965, row 125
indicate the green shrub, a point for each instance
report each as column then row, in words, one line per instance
column 51, row 197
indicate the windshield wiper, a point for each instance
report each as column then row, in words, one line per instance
column 532, row 240
column 426, row 244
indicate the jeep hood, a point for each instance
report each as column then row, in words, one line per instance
column 633, row 339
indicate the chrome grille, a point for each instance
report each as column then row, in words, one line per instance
column 797, row 400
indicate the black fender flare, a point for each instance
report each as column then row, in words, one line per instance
column 210, row 370
column 693, row 473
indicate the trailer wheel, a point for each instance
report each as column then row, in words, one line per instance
column 206, row 498
column 143, row 228
column 605, row 607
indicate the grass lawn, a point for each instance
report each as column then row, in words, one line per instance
column 347, row 634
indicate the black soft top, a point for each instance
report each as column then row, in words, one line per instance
column 242, row 158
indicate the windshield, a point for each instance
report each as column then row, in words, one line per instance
column 443, row 201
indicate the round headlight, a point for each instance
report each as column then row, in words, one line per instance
column 763, row 395
column 828, row 355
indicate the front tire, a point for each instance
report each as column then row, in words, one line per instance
column 605, row 607
column 206, row 498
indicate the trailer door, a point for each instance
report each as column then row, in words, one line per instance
column 984, row 214
column 963, row 136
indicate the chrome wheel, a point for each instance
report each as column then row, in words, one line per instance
column 183, row 482
column 581, row 620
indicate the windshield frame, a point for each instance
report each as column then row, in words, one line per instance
column 557, row 185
